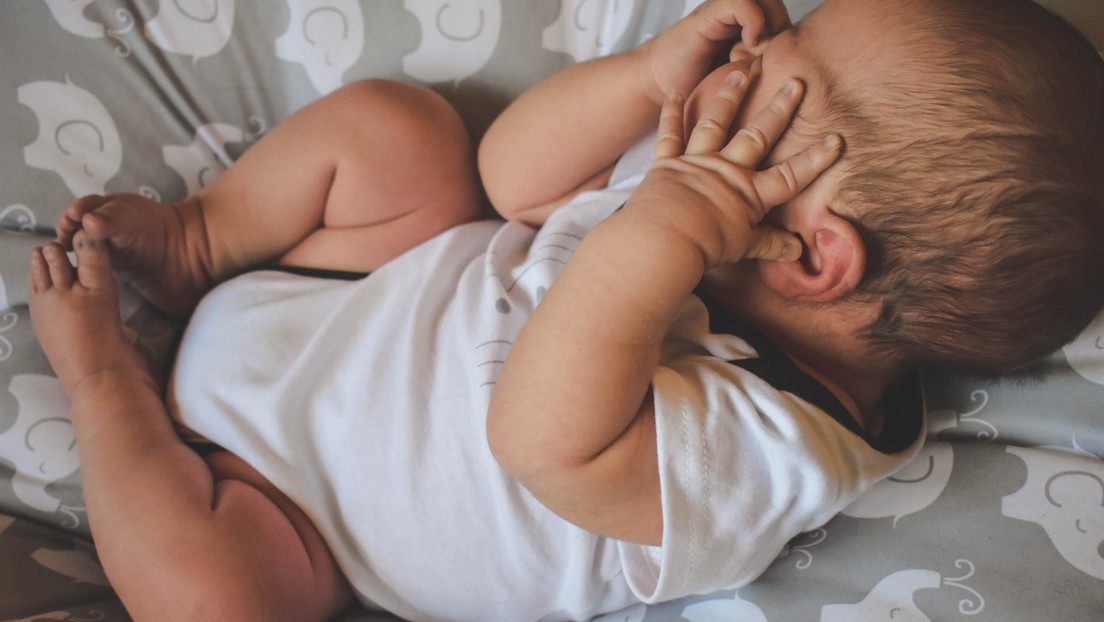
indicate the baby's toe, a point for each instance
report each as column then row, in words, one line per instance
column 66, row 229
column 61, row 271
column 39, row 273
column 93, row 263
column 70, row 220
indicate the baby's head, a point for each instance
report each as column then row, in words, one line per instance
column 977, row 178
column 973, row 172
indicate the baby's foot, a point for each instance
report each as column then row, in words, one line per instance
column 76, row 314
column 160, row 249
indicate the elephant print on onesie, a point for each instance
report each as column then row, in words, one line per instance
column 588, row 28
column 1064, row 494
column 458, row 38
column 892, row 597
column 1086, row 353
column 326, row 37
column 519, row 284
column 196, row 28
column 77, row 138
column 41, row 444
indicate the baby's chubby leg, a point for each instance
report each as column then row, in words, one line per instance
column 348, row 182
column 179, row 537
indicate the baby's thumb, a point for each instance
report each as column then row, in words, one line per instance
column 773, row 244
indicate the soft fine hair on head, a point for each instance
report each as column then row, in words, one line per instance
column 976, row 171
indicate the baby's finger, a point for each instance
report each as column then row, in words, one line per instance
column 755, row 140
column 777, row 17
column 670, row 142
column 722, row 20
column 773, row 244
column 785, row 180
column 712, row 129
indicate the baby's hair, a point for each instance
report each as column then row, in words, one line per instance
column 976, row 172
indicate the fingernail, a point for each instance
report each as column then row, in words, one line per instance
column 674, row 97
column 790, row 87
column 833, row 142
column 793, row 250
column 735, row 78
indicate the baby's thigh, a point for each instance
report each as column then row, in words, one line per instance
column 405, row 173
column 272, row 522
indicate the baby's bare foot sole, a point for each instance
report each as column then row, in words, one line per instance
column 160, row 249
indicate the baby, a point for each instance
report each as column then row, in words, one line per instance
column 720, row 356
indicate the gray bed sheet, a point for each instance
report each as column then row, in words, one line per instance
column 1001, row 518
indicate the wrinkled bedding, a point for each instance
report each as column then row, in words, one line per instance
column 1001, row 517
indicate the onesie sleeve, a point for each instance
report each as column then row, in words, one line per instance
column 743, row 469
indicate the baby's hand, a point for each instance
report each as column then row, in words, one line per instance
column 677, row 59
column 707, row 193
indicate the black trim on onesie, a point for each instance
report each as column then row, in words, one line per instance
column 318, row 273
column 903, row 402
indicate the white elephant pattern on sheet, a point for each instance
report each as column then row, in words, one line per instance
column 923, row 480
column 724, row 610
column 8, row 321
column 635, row 613
column 205, row 159
column 588, row 28
column 891, row 600
column 155, row 95
column 458, row 37
column 69, row 14
column 1086, row 353
column 77, row 137
column 1067, row 500
column 195, row 28
column 17, row 219
column 326, row 37
column 41, row 444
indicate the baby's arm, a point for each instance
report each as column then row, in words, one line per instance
column 572, row 416
column 564, row 135
column 180, row 537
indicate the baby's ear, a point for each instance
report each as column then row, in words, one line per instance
column 831, row 266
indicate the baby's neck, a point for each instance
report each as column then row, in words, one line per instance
column 859, row 390
column 821, row 339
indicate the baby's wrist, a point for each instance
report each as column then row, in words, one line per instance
column 655, row 236
column 649, row 84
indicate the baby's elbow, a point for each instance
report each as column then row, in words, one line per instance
column 501, row 440
column 499, row 183
column 519, row 451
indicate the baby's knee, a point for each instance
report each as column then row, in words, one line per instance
column 415, row 111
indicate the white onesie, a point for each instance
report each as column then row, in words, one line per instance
column 365, row 402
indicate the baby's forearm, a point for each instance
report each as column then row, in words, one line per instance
column 572, row 417
column 565, row 130
column 134, row 469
